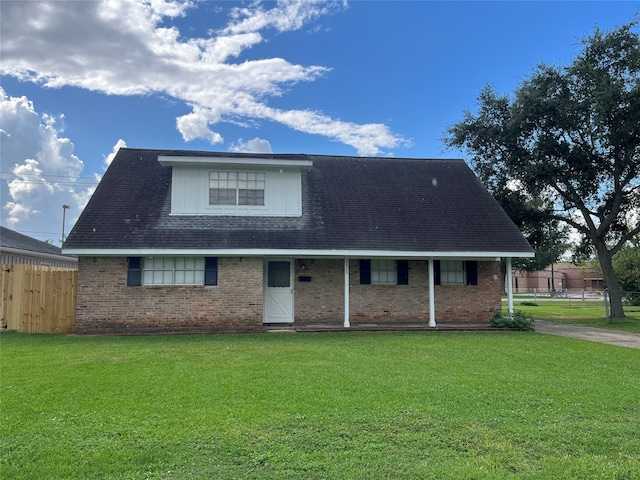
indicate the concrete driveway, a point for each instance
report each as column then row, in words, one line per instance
column 613, row 337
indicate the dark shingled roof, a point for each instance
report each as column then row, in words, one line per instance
column 12, row 239
column 348, row 203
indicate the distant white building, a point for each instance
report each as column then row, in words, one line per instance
column 16, row 248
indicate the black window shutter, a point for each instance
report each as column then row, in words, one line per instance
column 402, row 267
column 210, row 270
column 436, row 272
column 472, row 272
column 365, row 272
column 134, row 271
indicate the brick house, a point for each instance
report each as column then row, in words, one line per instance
column 560, row 277
column 205, row 241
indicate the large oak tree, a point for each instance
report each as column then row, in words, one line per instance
column 569, row 138
column 627, row 266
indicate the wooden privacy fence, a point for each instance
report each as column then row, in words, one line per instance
column 38, row 299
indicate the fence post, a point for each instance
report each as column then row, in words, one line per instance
column 605, row 297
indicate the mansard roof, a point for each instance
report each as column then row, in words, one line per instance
column 349, row 204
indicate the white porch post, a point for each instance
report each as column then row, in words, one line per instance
column 509, row 287
column 432, row 300
column 347, row 324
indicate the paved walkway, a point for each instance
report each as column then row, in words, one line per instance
column 613, row 337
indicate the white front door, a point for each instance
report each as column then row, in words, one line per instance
column 278, row 295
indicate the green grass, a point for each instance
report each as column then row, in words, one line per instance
column 581, row 312
column 355, row 405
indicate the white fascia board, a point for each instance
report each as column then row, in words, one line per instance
column 272, row 162
column 295, row 253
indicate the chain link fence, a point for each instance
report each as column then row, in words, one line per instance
column 629, row 298
column 533, row 294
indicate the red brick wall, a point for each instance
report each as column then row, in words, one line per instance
column 470, row 303
column 106, row 305
column 322, row 299
column 390, row 303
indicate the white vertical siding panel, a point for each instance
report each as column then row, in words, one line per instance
column 296, row 186
column 177, row 191
column 285, row 195
column 190, row 193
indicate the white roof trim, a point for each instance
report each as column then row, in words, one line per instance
column 178, row 160
column 471, row 255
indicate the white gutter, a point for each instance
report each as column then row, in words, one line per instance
column 301, row 253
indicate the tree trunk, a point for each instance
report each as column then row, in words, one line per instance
column 503, row 277
column 610, row 280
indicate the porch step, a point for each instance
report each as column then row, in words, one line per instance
column 338, row 327
column 278, row 328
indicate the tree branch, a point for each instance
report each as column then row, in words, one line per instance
column 624, row 239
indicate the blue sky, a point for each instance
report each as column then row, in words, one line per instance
column 382, row 78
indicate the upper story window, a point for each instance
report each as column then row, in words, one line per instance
column 236, row 188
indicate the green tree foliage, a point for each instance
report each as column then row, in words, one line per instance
column 627, row 266
column 568, row 141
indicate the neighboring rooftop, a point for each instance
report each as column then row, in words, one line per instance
column 12, row 239
column 16, row 248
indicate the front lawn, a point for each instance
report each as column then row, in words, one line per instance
column 582, row 312
column 356, row 405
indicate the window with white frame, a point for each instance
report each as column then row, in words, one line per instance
column 173, row 271
column 383, row 271
column 452, row 272
column 162, row 270
column 236, row 188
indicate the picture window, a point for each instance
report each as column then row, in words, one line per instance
column 173, row 271
column 161, row 270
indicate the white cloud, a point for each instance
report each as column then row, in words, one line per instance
column 367, row 138
column 41, row 43
column 195, row 125
column 40, row 171
column 255, row 145
column 290, row 15
column 109, row 158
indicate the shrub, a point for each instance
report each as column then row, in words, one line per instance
column 519, row 320
column 631, row 298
